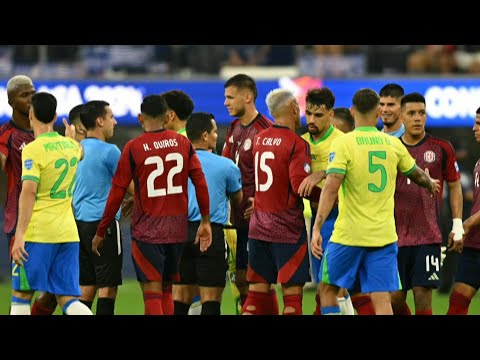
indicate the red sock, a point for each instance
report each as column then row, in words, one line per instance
column 363, row 304
column 423, row 312
column 458, row 304
column 404, row 311
column 274, row 310
column 318, row 307
column 38, row 309
column 167, row 301
column 153, row 303
column 260, row 302
column 293, row 301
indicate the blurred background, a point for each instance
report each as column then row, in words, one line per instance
column 447, row 75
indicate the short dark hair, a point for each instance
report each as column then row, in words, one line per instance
column 345, row 115
column 321, row 96
column 74, row 114
column 365, row 100
column 198, row 123
column 393, row 90
column 414, row 97
column 243, row 81
column 180, row 102
column 44, row 107
column 154, row 106
column 91, row 111
column 478, row 110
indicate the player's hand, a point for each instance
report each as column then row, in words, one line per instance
column 69, row 129
column 97, row 244
column 307, row 185
column 19, row 254
column 434, row 188
column 249, row 210
column 204, row 235
column 316, row 244
column 443, row 254
column 127, row 206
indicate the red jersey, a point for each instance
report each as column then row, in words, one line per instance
column 472, row 240
column 416, row 212
column 282, row 160
column 12, row 141
column 160, row 163
column 238, row 147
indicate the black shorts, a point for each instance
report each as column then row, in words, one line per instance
column 419, row 266
column 104, row 270
column 209, row 268
column 468, row 271
column 242, row 249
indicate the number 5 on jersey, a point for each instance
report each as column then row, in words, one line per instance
column 267, row 155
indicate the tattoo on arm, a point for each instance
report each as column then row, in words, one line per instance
column 420, row 178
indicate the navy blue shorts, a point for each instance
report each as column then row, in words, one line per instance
column 468, row 270
column 419, row 266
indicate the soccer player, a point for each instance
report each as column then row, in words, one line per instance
column 321, row 133
column 419, row 236
column 278, row 251
column 467, row 277
column 363, row 163
column 343, row 119
column 160, row 162
column 181, row 106
column 240, row 97
column 207, row 270
column 94, row 177
column 14, row 136
column 390, row 97
column 45, row 252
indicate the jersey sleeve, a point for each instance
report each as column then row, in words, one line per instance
column 451, row 170
column 234, row 178
column 124, row 172
column 300, row 165
column 4, row 138
column 30, row 164
column 112, row 158
column 338, row 157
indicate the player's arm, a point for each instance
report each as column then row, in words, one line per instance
column 455, row 238
column 328, row 198
column 310, row 182
column 227, row 146
column 3, row 161
column 204, row 232
column 236, row 198
column 423, row 179
column 25, row 209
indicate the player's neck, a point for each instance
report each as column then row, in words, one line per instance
column 391, row 128
column 413, row 139
column 153, row 126
column 179, row 125
column 41, row 129
column 285, row 121
column 200, row 146
column 96, row 133
column 21, row 120
column 249, row 116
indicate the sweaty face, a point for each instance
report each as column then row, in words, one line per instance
column 235, row 101
column 21, row 99
column 390, row 110
column 318, row 118
column 476, row 128
column 414, row 118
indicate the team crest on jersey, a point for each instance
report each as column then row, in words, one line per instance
column 331, row 157
column 28, row 164
column 456, row 167
column 307, row 168
column 247, row 145
column 429, row 156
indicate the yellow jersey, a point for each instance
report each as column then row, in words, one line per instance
column 51, row 161
column 319, row 149
column 369, row 159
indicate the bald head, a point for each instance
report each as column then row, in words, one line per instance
column 18, row 81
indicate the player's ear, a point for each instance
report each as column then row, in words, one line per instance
column 99, row 121
column 140, row 119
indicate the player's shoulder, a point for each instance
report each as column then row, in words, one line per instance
column 305, row 136
column 262, row 122
column 336, row 133
column 439, row 141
